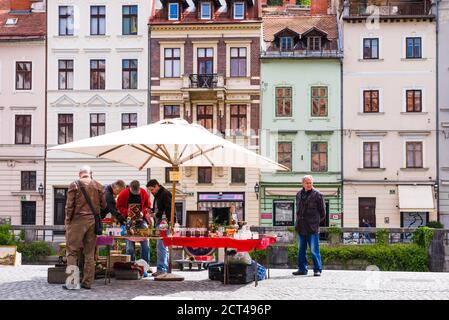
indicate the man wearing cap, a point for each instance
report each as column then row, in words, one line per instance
column 80, row 222
column 134, row 195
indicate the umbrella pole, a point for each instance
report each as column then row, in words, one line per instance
column 170, row 276
column 172, row 220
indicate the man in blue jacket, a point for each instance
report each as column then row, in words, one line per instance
column 310, row 211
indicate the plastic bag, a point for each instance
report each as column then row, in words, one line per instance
column 240, row 258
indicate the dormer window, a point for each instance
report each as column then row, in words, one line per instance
column 205, row 10
column 239, row 10
column 286, row 43
column 11, row 21
column 314, row 43
column 173, row 11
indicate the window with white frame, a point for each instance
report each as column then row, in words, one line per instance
column 413, row 100
column 286, row 43
column 239, row 10
column 173, row 11
column 172, row 62
column 414, row 154
column 371, row 154
column 205, row 10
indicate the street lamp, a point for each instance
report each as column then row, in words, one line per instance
column 41, row 190
column 256, row 189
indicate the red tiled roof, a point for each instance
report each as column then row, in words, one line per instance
column 272, row 24
column 29, row 26
column 158, row 16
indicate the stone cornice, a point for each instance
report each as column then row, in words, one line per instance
column 184, row 27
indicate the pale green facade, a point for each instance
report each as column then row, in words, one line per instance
column 301, row 129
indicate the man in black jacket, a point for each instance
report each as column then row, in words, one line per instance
column 111, row 191
column 161, row 206
column 310, row 211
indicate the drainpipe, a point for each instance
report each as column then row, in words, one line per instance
column 45, row 118
column 149, row 76
column 437, row 135
column 340, row 43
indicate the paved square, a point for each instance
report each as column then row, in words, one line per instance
column 30, row 282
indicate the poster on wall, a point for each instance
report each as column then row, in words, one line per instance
column 283, row 213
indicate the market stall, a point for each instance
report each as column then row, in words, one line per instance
column 240, row 245
column 171, row 143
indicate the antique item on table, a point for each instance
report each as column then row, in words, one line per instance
column 115, row 231
column 134, row 219
column 197, row 219
column 8, row 255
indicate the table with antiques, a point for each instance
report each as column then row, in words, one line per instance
column 112, row 242
column 225, row 242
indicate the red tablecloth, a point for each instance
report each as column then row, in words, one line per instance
column 224, row 242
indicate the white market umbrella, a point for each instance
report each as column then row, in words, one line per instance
column 170, row 143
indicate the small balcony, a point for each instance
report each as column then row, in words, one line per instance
column 300, row 50
column 204, row 81
column 389, row 8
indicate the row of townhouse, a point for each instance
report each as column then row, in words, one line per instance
column 345, row 91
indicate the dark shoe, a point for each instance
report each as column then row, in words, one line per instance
column 158, row 273
column 299, row 273
column 317, row 273
column 65, row 288
column 85, row 287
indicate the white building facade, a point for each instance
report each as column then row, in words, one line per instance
column 97, row 83
column 22, row 112
column 389, row 115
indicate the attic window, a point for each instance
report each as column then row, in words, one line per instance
column 205, row 10
column 11, row 21
column 173, row 11
column 314, row 43
column 286, row 43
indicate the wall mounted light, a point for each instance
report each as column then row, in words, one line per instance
column 41, row 190
column 257, row 189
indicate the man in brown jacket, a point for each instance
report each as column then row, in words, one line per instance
column 80, row 223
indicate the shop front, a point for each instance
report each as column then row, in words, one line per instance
column 278, row 206
column 222, row 206
column 416, row 205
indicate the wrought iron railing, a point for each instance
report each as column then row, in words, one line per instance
column 389, row 8
column 207, row 81
column 301, row 54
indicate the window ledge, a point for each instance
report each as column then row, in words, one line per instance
column 319, row 119
column 414, row 113
column 413, row 59
column 129, row 36
column 414, row 169
column 23, row 91
column 283, row 118
column 204, row 184
column 371, row 169
column 370, row 113
column 97, row 36
column 68, row 37
column 371, row 60
column 25, row 193
column 238, row 78
column 236, row 184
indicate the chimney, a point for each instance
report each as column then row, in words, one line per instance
column 318, row 7
column 20, row 5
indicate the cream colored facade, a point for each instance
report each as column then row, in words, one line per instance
column 81, row 101
column 392, row 127
column 228, row 91
column 15, row 158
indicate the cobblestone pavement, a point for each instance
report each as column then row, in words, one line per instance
column 30, row 282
